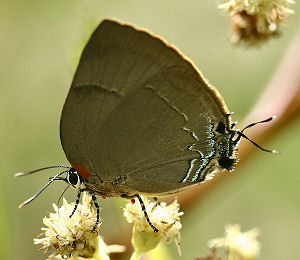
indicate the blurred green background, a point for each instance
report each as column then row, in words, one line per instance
column 40, row 42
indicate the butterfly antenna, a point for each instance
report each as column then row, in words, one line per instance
column 259, row 122
column 39, row 192
column 41, row 169
column 241, row 134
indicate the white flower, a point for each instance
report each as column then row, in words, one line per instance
column 254, row 21
column 165, row 218
column 241, row 246
column 74, row 237
column 101, row 253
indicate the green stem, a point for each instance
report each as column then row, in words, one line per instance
column 135, row 255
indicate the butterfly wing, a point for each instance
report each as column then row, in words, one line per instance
column 138, row 109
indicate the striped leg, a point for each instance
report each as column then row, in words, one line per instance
column 98, row 210
column 76, row 203
column 143, row 209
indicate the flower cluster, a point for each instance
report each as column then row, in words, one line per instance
column 254, row 21
column 74, row 237
column 240, row 245
column 166, row 218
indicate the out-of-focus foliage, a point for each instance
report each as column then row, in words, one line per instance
column 40, row 41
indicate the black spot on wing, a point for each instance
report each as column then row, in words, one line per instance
column 227, row 162
column 220, row 128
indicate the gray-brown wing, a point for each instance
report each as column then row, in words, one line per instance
column 137, row 107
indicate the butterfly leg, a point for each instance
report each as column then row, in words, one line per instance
column 143, row 209
column 76, row 203
column 97, row 208
column 156, row 200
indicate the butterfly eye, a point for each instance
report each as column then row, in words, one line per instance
column 74, row 179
